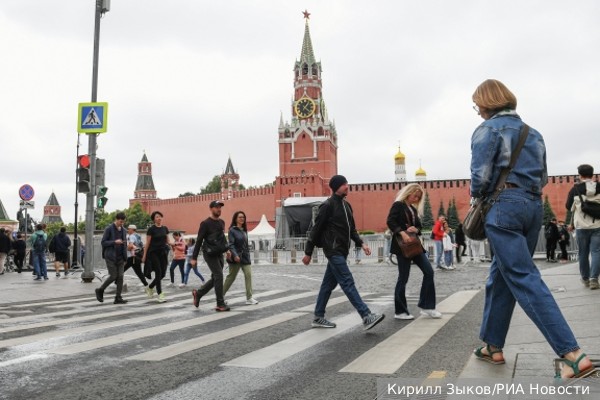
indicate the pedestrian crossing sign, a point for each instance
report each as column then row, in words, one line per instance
column 92, row 117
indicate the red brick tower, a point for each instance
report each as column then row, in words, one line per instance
column 230, row 181
column 144, row 187
column 307, row 144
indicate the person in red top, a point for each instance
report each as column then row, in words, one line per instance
column 438, row 237
column 179, row 248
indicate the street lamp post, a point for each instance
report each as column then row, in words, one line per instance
column 102, row 6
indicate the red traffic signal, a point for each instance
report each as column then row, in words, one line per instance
column 84, row 161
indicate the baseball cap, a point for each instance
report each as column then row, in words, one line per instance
column 132, row 227
column 216, row 203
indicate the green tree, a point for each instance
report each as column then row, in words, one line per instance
column 427, row 220
column 453, row 220
column 548, row 213
column 568, row 217
column 138, row 217
column 214, row 186
column 186, row 194
column 441, row 210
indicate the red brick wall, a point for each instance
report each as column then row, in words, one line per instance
column 370, row 201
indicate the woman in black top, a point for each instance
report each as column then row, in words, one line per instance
column 155, row 252
column 403, row 220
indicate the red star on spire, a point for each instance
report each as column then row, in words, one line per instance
column 306, row 14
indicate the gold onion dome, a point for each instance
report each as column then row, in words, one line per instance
column 399, row 156
column 420, row 172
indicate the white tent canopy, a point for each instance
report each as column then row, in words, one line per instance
column 263, row 230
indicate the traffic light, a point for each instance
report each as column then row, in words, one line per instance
column 83, row 174
column 102, row 200
column 99, row 172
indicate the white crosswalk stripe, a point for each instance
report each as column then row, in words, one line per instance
column 86, row 325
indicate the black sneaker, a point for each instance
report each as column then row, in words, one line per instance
column 196, row 298
column 120, row 300
column 100, row 295
column 321, row 322
column 372, row 319
column 222, row 308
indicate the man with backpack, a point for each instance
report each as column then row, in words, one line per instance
column 587, row 226
column 59, row 245
column 551, row 234
column 38, row 242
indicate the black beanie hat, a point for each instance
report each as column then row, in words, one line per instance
column 336, row 181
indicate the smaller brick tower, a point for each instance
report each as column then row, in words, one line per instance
column 52, row 211
column 230, row 181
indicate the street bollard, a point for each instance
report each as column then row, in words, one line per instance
column 293, row 256
column 275, row 256
column 380, row 254
column 256, row 256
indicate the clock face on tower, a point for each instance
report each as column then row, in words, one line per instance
column 305, row 107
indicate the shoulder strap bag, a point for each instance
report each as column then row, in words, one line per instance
column 474, row 223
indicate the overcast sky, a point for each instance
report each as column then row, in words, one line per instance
column 192, row 82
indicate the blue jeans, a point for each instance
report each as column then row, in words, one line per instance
column 512, row 227
column 175, row 263
column 439, row 250
column 588, row 241
column 448, row 258
column 338, row 272
column 427, row 295
column 186, row 275
column 39, row 264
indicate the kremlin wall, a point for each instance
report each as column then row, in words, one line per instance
column 307, row 160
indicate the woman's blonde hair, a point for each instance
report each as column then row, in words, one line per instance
column 407, row 191
column 494, row 95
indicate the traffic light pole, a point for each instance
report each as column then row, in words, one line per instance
column 90, row 223
column 76, row 244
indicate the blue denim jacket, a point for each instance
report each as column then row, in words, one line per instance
column 492, row 144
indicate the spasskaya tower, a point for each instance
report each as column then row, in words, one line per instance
column 307, row 144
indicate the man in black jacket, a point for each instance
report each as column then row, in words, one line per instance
column 114, row 252
column 61, row 251
column 334, row 228
column 211, row 239
column 552, row 236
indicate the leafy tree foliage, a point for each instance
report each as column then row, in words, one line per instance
column 135, row 215
column 214, row 186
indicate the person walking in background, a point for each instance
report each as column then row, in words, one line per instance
column 437, row 234
column 62, row 243
column 20, row 248
column 240, row 255
column 563, row 241
column 135, row 250
column 211, row 239
column 461, row 243
column 449, row 245
column 38, row 245
column 512, row 226
column 155, row 252
column 403, row 220
column 188, row 265
column 5, row 247
column 552, row 235
column 114, row 252
column 333, row 229
column 587, row 228
column 178, row 247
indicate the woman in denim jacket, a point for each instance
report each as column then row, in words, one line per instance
column 512, row 227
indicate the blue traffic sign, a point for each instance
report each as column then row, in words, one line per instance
column 92, row 117
column 26, row 192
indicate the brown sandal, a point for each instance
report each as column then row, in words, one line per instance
column 488, row 357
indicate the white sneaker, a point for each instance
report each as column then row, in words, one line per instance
column 181, row 285
column 403, row 316
column 171, row 284
column 431, row 313
column 251, row 301
column 451, row 267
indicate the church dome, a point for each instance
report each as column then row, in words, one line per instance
column 420, row 172
column 399, row 156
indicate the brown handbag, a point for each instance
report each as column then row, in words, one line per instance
column 410, row 248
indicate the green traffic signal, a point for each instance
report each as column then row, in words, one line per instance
column 102, row 200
